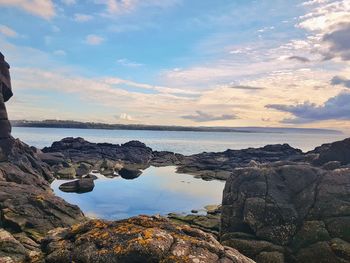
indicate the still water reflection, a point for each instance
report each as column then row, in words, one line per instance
column 156, row 191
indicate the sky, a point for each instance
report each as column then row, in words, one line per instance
column 269, row 63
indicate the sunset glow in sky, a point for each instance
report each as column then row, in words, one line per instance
column 180, row 62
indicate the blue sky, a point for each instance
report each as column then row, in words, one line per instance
column 228, row 63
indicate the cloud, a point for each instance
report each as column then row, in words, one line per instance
column 299, row 59
column 339, row 41
column 124, row 116
column 59, row 52
column 7, row 31
column 126, row 6
column 94, row 40
column 337, row 80
column 82, row 18
column 201, row 116
column 335, row 108
column 69, row 2
column 330, row 23
column 127, row 63
column 242, row 87
column 41, row 8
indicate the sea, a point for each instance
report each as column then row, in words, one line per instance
column 161, row 190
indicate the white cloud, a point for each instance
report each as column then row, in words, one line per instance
column 42, row 8
column 82, row 17
column 94, row 40
column 125, row 6
column 125, row 116
column 59, row 52
column 127, row 63
column 7, row 31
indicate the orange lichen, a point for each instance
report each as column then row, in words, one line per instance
column 40, row 198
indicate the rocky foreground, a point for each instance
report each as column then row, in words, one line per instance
column 279, row 205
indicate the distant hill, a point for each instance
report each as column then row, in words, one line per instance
column 93, row 125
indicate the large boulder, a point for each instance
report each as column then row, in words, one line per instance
column 292, row 207
column 138, row 239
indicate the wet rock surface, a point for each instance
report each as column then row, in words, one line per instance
column 138, row 239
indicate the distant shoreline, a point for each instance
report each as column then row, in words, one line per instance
column 104, row 126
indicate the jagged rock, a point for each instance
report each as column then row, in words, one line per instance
column 293, row 206
column 11, row 251
column 28, row 206
column 337, row 151
column 78, row 150
column 139, row 239
column 220, row 165
column 83, row 185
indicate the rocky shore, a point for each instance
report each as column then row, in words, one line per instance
column 279, row 205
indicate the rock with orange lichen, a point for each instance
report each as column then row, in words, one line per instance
column 138, row 239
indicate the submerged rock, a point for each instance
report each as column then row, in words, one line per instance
column 138, row 239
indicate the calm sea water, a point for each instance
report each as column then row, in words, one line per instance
column 175, row 141
column 156, row 191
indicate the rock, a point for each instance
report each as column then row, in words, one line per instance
column 52, row 158
column 294, row 206
column 5, row 95
column 139, row 239
column 164, row 158
column 28, row 206
column 83, row 185
column 213, row 209
column 11, row 250
column 193, row 211
column 83, row 169
column 78, row 150
column 310, row 233
column 208, row 223
column 339, row 227
column 320, row 252
column 66, row 173
column 332, row 165
column 337, row 151
column 91, row 176
column 220, row 165
column 270, row 257
column 252, row 248
column 129, row 174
